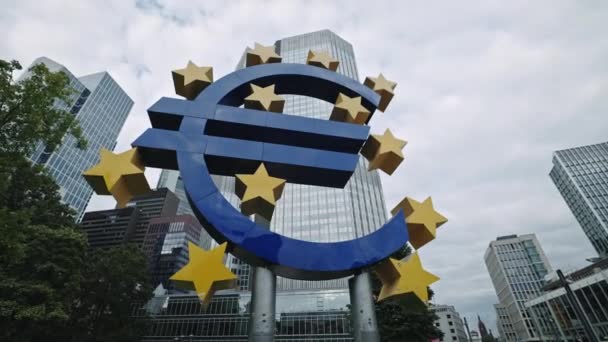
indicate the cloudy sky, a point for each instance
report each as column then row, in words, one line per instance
column 487, row 90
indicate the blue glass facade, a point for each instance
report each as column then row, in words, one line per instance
column 101, row 107
column 581, row 176
column 166, row 245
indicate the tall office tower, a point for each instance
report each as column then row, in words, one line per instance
column 449, row 323
column 517, row 267
column 503, row 321
column 157, row 203
column 109, row 228
column 101, row 107
column 581, row 176
column 166, row 245
column 172, row 180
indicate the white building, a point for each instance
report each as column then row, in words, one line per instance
column 449, row 323
column 517, row 267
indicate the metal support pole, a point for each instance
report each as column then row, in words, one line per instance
column 263, row 300
column 365, row 326
column 577, row 308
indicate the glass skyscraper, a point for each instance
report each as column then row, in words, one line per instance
column 517, row 267
column 101, row 107
column 581, row 176
column 306, row 212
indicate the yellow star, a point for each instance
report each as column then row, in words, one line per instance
column 322, row 59
column 382, row 87
column 349, row 109
column 384, row 152
column 264, row 98
column 259, row 192
column 403, row 279
column 205, row 272
column 422, row 220
column 120, row 175
column 261, row 55
column 191, row 80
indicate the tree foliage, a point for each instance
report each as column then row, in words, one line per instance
column 52, row 288
column 27, row 109
column 113, row 280
column 42, row 253
column 398, row 320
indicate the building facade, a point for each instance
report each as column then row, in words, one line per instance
column 449, row 323
column 300, row 316
column 157, row 203
column 109, row 228
column 503, row 322
column 101, row 107
column 166, row 245
column 554, row 315
column 581, row 176
column 517, row 266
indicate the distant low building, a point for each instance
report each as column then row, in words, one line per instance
column 449, row 323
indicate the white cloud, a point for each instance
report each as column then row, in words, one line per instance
column 487, row 90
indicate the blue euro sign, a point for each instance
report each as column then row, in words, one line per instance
column 212, row 135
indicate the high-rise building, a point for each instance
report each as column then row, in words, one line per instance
column 449, row 323
column 306, row 212
column 581, row 176
column 554, row 313
column 109, row 228
column 517, row 267
column 166, row 245
column 101, row 107
column 157, row 203
column 503, row 321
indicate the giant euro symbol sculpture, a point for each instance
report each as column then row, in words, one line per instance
column 212, row 135
column 234, row 126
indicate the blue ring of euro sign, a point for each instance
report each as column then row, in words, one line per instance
column 213, row 134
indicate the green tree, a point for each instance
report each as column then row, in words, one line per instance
column 52, row 288
column 398, row 320
column 113, row 279
column 28, row 110
column 41, row 254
